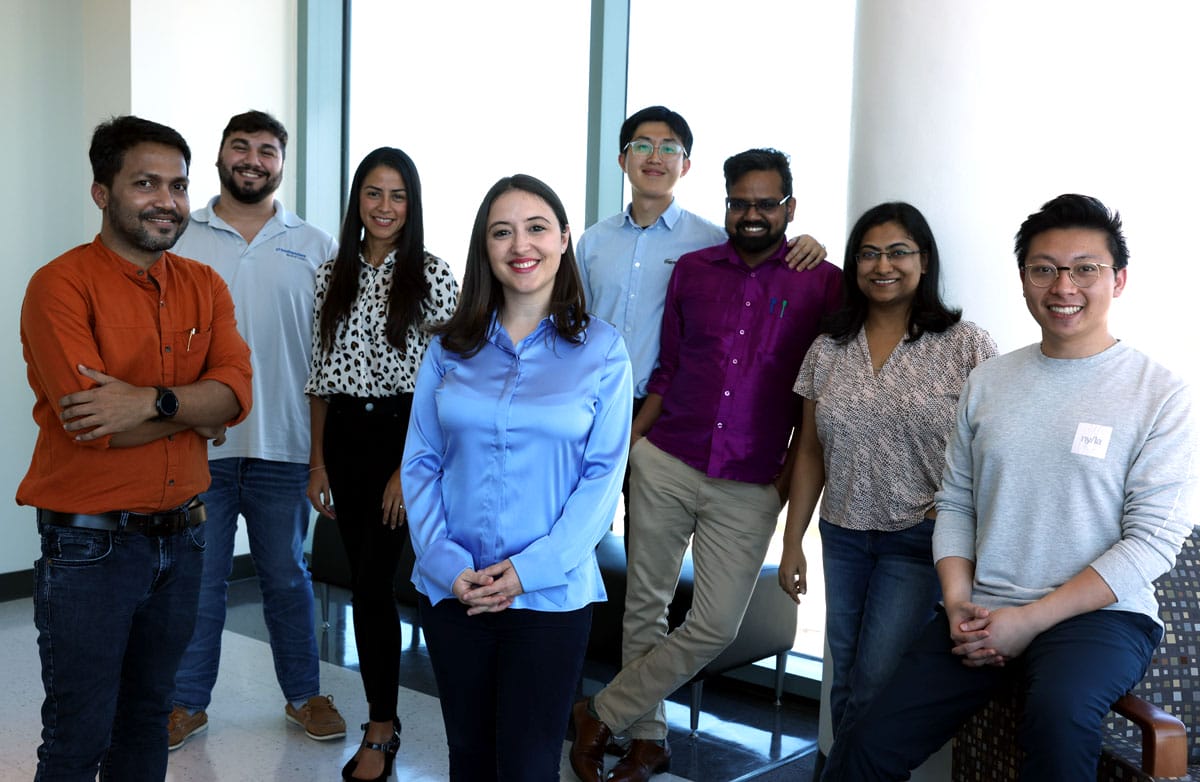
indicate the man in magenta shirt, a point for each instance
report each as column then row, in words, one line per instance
column 709, row 456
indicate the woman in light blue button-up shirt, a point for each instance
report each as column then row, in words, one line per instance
column 512, row 468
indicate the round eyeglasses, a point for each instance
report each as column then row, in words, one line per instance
column 899, row 254
column 643, row 148
column 1084, row 275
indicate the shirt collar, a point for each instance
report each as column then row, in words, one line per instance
column 499, row 337
column 388, row 260
column 727, row 253
column 668, row 218
column 209, row 216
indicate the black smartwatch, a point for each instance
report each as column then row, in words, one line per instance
column 167, row 404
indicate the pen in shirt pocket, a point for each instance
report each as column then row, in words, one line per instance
column 191, row 333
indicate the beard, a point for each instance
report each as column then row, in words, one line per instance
column 249, row 193
column 132, row 226
column 755, row 243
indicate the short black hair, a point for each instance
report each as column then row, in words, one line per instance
column 1074, row 211
column 673, row 120
column 253, row 122
column 116, row 136
column 758, row 160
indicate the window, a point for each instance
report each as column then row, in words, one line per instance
column 472, row 93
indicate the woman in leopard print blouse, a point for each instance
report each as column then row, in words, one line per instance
column 375, row 305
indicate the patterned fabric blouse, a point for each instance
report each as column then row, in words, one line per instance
column 362, row 362
column 884, row 435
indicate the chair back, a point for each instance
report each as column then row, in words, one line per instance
column 1172, row 681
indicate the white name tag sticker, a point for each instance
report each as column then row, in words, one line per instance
column 1092, row 440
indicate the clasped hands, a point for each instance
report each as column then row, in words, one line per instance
column 490, row 590
column 989, row 637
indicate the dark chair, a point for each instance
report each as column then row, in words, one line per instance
column 329, row 566
column 328, row 563
column 1161, row 709
column 768, row 628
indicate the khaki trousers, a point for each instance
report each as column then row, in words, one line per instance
column 729, row 524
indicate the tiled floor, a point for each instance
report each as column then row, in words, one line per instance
column 742, row 735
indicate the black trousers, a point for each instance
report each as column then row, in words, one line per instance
column 364, row 443
column 506, row 682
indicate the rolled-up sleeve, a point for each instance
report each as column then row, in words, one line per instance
column 228, row 359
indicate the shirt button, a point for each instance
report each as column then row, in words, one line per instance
column 369, row 406
column 167, row 349
column 726, row 393
column 735, row 361
column 747, row 304
column 720, row 425
column 742, row 332
column 171, row 482
column 637, row 265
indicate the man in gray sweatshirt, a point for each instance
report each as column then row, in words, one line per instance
column 1068, row 489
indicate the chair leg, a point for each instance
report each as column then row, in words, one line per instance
column 324, row 607
column 780, row 672
column 697, row 693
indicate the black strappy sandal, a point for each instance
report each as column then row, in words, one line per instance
column 389, row 750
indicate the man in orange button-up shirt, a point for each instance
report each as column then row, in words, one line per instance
column 135, row 361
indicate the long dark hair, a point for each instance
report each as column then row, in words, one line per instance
column 409, row 286
column 482, row 296
column 928, row 313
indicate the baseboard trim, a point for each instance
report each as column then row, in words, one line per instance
column 18, row 585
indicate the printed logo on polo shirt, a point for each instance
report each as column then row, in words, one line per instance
column 1092, row 440
column 292, row 253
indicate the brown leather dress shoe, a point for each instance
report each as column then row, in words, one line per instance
column 587, row 751
column 643, row 760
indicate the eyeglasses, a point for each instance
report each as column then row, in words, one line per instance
column 645, row 148
column 899, row 254
column 1084, row 275
column 763, row 206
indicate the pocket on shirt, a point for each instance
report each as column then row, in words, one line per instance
column 191, row 347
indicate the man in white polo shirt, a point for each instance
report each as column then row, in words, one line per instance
column 268, row 256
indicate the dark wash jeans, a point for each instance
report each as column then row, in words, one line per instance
column 114, row 612
column 1071, row 674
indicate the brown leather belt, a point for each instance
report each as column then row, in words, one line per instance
column 167, row 522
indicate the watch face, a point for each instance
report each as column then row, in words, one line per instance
column 167, row 403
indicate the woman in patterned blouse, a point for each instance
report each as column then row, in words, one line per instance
column 880, row 392
column 376, row 303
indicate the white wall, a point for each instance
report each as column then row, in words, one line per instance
column 200, row 63
column 69, row 64
column 44, row 209
column 978, row 113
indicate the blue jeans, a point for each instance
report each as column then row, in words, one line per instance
column 505, row 682
column 1071, row 674
column 114, row 611
column 880, row 591
column 271, row 496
